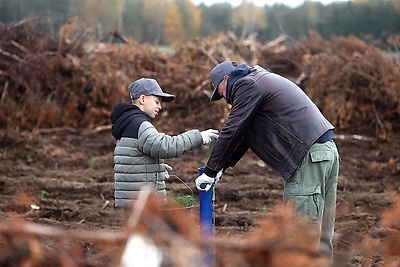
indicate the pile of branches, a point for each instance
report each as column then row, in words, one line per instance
column 354, row 84
column 70, row 81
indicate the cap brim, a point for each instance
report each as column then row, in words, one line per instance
column 215, row 95
column 166, row 97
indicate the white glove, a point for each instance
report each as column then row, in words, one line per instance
column 167, row 167
column 208, row 134
column 218, row 176
column 204, row 182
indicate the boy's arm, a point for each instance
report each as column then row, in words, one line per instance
column 160, row 145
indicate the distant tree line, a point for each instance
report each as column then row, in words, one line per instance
column 169, row 21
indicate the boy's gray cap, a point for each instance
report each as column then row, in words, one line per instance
column 217, row 76
column 145, row 86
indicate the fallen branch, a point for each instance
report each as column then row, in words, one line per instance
column 58, row 130
column 209, row 56
column 22, row 228
column 199, row 87
column 15, row 57
column 4, row 93
column 101, row 128
column 355, row 137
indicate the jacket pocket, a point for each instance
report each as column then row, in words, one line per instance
column 305, row 199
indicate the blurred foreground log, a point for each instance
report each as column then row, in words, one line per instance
column 281, row 239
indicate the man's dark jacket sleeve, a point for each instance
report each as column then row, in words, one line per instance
column 230, row 146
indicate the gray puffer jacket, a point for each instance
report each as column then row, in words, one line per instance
column 140, row 152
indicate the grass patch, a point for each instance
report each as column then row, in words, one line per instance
column 180, row 201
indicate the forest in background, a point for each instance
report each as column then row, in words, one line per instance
column 170, row 21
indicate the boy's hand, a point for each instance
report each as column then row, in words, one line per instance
column 167, row 167
column 208, row 135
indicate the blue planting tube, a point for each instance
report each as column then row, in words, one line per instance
column 206, row 215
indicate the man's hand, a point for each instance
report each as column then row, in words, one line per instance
column 208, row 135
column 219, row 175
column 204, row 182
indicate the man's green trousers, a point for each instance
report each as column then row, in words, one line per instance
column 312, row 190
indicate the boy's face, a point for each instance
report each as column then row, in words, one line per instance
column 151, row 105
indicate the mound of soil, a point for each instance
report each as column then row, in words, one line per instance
column 64, row 178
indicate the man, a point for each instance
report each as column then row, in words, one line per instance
column 275, row 119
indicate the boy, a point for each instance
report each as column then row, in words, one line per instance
column 140, row 149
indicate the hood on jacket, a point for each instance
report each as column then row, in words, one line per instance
column 237, row 73
column 122, row 115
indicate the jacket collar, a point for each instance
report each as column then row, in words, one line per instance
column 237, row 73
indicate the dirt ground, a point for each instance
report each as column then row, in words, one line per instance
column 68, row 175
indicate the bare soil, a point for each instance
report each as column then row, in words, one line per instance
column 68, row 175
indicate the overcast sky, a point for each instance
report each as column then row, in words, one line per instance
column 292, row 3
